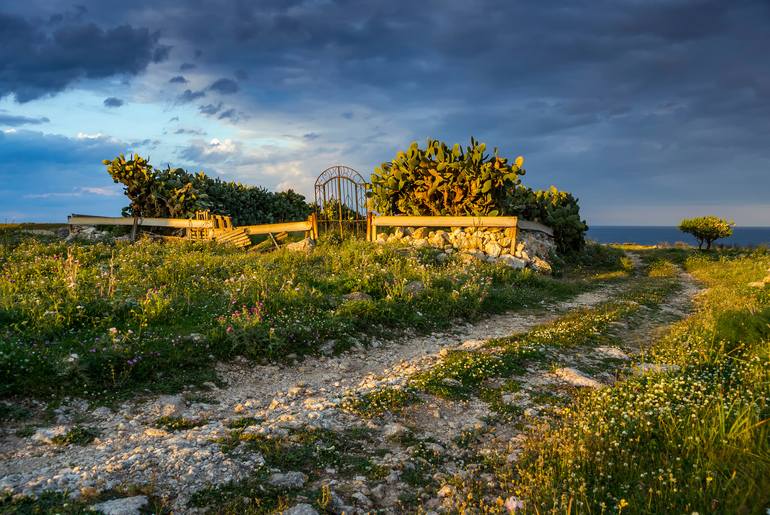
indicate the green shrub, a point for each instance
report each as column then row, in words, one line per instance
column 176, row 193
column 438, row 181
column 706, row 229
column 556, row 209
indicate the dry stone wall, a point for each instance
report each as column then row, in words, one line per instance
column 532, row 249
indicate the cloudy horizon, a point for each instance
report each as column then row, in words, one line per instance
column 648, row 111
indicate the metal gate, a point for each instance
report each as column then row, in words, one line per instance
column 340, row 201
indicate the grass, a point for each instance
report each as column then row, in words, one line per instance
column 692, row 439
column 179, row 423
column 381, row 400
column 78, row 435
column 100, row 320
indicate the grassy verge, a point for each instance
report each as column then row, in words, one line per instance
column 99, row 320
column 693, row 437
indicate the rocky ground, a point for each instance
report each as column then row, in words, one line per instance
column 286, row 432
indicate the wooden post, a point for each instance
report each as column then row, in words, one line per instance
column 369, row 226
column 133, row 229
column 374, row 229
column 314, row 225
column 513, row 238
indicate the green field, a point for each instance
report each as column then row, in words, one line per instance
column 99, row 320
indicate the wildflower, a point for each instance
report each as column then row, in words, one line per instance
column 513, row 503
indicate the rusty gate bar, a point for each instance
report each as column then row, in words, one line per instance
column 340, row 200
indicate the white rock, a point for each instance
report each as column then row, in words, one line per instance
column 612, row 352
column 356, row 296
column 125, row 506
column 168, row 406
column 46, row 434
column 394, row 430
column 305, row 245
column 448, row 381
column 301, row 509
column 576, row 378
column 512, row 261
column 540, row 265
column 361, row 499
column 414, row 287
column 287, row 480
column 493, row 249
column 378, row 492
column 473, row 344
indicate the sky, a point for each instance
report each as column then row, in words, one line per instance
column 647, row 110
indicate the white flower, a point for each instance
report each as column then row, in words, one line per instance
column 72, row 358
column 513, row 503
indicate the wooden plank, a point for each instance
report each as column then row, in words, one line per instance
column 444, row 221
column 281, row 227
column 178, row 223
column 535, row 226
column 231, row 235
column 266, row 244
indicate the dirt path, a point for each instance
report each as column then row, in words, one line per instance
column 273, row 401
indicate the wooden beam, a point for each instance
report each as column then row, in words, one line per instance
column 177, row 223
column 444, row 221
column 282, row 227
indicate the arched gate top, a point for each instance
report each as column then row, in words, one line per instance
column 334, row 172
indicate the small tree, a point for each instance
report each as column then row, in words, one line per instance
column 706, row 229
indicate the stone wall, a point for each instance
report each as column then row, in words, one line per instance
column 533, row 247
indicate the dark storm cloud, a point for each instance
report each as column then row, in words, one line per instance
column 37, row 62
column 113, row 102
column 210, row 109
column 186, row 67
column 230, row 114
column 11, row 120
column 179, row 79
column 189, row 95
column 224, row 86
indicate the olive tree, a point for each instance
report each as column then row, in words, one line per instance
column 706, row 229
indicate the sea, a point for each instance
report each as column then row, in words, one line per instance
column 653, row 235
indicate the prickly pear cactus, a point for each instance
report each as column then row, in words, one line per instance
column 439, row 180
